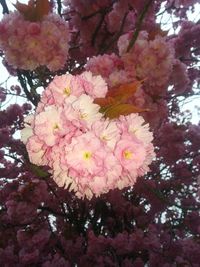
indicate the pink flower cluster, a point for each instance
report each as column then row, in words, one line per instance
column 28, row 45
column 86, row 152
column 151, row 60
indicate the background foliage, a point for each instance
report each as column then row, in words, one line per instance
column 155, row 222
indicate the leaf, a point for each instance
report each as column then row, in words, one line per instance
column 122, row 109
column 123, row 92
column 34, row 11
column 42, row 8
column 26, row 10
column 22, row 8
column 104, row 102
column 156, row 31
column 38, row 171
column 114, row 104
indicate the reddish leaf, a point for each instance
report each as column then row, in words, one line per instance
column 156, row 31
column 122, row 109
column 114, row 104
column 42, row 8
column 26, row 10
column 22, row 8
column 123, row 92
column 104, row 102
column 34, row 11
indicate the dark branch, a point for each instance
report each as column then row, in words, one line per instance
column 103, row 13
column 26, row 91
column 116, row 36
column 59, row 7
column 91, row 15
column 138, row 25
column 94, row 36
column 5, row 7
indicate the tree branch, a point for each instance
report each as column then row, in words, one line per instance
column 30, row 97
column 59, row 7
column 94, row 36
column 138, row 25
column 116, row 36
column 5, row 7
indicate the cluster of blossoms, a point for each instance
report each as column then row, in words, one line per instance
column 87, row 153
column 28, row 45
column 151, row 60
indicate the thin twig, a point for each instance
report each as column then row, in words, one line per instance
column 138, row 25
column 92, row 15
column 26, row 91
column 60, row 202
column 117, row 35
column 94, row 36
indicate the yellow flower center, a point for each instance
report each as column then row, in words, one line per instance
column 87, row 155
column 67, row 91
column 127, row 154
column 55, row 127
column 105, row 138
column 133, row 130
column 33, row 44
column 83, row 115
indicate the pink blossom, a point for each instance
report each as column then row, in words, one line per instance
column 85, row 112
column 61, row 177
column 27, row 131
column 36, row 151
column 34, row 28
column 131, row 153
column 49, row 125
column 64, row 86
column 151, row 60
column 28, row 45
column 179, row 77
column 107, row 131
column 85, row 154
column 94, row 86
column 150, row 156
column 135, row 125
column 104, row 65
column 119, row 77
column 113, row 170
column 99, row 185
column 126, row 180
